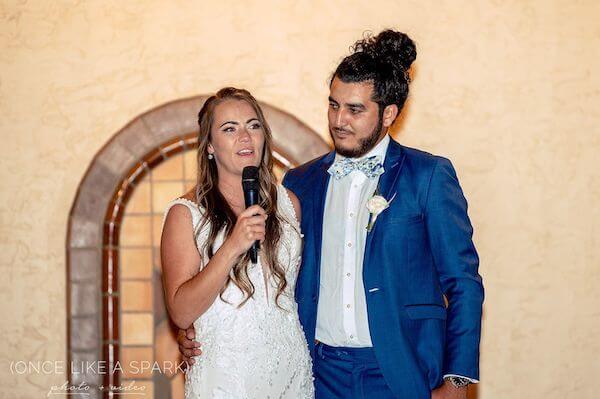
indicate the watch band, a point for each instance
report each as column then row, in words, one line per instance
column 458, row 382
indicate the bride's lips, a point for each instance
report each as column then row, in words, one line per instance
column 245, row 152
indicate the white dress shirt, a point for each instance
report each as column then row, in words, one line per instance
column 342, row 308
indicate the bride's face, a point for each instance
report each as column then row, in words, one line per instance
column 237, row 137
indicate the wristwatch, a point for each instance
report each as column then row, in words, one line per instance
column 458, row 382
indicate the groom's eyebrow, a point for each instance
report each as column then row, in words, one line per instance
column 356, row 105
column 359, row 106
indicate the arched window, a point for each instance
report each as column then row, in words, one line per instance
column 117, row 316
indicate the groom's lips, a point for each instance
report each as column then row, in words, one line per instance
column 342, row 133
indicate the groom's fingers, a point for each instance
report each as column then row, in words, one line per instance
column 184, row 335
column 184, row 351
column 190, row 333
column 188, row 360
column 189, row 351
column 185, row 338
column 187, row 343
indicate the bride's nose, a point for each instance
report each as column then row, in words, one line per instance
column 244, row 136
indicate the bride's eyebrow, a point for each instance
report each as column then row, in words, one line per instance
column 232, row 122
column 252, row 119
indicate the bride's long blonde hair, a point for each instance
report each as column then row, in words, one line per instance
column 218, row 214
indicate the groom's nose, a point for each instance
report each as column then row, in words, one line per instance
column 340, row 119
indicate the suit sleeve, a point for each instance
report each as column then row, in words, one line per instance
column 286, row 180
column 456, row 260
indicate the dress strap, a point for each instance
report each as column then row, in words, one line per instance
column 286, row 207
column 194, row 210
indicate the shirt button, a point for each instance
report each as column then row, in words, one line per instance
column 348, row 306
column 355, row 186
column 347, row 274
column 351, row 214
column 349, row 244
column 351, row 336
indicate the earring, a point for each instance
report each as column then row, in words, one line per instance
column 211, row 156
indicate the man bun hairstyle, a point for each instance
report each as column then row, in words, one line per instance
column 384, row 60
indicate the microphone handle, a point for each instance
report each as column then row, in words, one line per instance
column 251, row 198
column 254, row 252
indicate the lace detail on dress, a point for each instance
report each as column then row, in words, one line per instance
column 258, row 350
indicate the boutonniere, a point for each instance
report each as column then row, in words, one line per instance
column 375, row 205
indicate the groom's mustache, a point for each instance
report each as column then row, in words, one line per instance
column 341, row 130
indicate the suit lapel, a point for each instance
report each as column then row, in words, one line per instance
column 394, row 159
column 392, row 165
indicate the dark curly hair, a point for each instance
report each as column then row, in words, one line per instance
column 383, row 60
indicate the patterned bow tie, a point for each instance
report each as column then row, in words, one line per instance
column 370, row 166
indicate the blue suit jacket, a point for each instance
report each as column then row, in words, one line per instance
column 419, row 251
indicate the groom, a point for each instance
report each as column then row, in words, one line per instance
column 388, row 292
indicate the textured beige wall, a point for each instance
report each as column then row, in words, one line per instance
column 509, row 90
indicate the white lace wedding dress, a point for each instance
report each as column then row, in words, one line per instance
column 257, row 350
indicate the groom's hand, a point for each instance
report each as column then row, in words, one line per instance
column 449, row 391
column 187, row 346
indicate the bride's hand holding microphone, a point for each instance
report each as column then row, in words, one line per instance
column 249, row 228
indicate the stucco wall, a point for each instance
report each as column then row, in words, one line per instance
column 507, row 89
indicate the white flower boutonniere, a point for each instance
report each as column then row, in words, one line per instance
column 375, row 205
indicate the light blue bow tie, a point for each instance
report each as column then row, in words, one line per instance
column 370, row 166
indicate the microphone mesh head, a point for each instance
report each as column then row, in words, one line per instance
column 250, row 178
column 250, row 173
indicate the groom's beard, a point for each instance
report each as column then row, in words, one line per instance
column 364, row 145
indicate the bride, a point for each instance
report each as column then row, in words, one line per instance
column 244, row 314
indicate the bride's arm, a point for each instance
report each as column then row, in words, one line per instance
column 189, row 293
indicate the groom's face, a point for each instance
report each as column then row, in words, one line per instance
column 355, row 124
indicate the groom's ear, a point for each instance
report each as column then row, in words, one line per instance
column 390, row 112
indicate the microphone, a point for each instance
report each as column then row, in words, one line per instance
column 251, row 188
